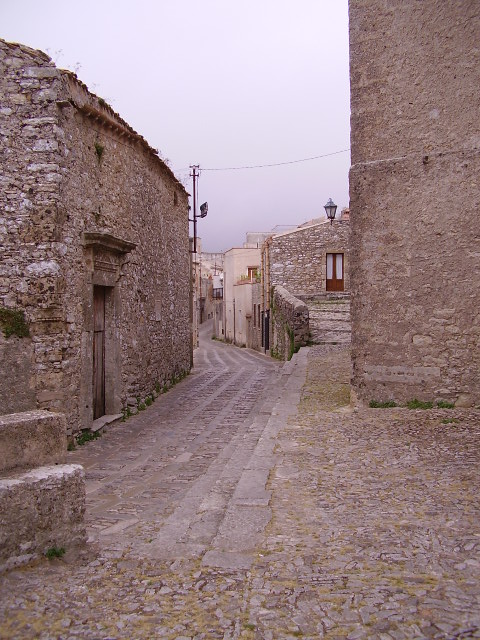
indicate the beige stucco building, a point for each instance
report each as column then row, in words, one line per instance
column 415, row 200
column 241, row 272
column 94, row 257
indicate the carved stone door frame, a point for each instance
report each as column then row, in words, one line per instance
column 105, row 256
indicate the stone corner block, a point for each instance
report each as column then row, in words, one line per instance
column 31, row 439
column 39, row 510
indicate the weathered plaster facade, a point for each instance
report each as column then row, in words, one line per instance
column 415, row 199
column 85, row 204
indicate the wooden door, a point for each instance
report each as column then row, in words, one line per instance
column 335, row 279
column 98, row 352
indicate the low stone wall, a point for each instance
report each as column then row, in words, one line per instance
column 31, row 439
column 289, row 324
column 42, row 501
column 41, row 509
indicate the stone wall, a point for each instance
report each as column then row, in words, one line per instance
column 297, row 259
column 29, row 194
column 289, row 324
column 86, row 202
column 17, row 381
column 415, row 200
column 32, row 438
column 41, row 507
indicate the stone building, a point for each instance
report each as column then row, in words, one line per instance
column 415, row 200
column 211, row 284
column 300, row 268
column 309, row 260
column 94, row 262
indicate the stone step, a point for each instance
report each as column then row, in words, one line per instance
column 333, row 304
column 330, row 311
column 333, row 338
column 344, row 309
column 328, row 307
column 329, row 321
column 32, row 439
column 330, row 324
column 316, row 331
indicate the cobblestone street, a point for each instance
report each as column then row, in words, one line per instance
column 250, row 501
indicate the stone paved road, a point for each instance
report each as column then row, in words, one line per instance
column 251, row 502
column 160, row 484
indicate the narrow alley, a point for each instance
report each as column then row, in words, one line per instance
column 251, row 501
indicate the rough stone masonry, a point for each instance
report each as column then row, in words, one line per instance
column 93, row 250
column 42, row 499
column 297, row 259
column 415, row 200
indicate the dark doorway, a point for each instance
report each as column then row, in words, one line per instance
column 266, row 330
column 98, row 351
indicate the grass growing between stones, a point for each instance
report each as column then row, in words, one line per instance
column 442, row 404
column 418, row 404
column 99, row 149
column 412, row 404
column 389, row 404
column 87, row 436
column 54, row 552
column 450, row 421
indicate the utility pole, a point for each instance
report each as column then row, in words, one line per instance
column 194, row 175
column 195, row 290
column 203, row 208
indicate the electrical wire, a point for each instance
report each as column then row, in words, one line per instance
column 276, row 164
column 262, row 166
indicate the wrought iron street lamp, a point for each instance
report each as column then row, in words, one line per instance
column 330, row 210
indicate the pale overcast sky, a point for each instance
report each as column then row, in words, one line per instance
column 219, row 83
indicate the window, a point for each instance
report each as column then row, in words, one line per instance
column 335, row 280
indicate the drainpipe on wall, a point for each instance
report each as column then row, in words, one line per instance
column 263, row 293
column 191, row 302
column 224, row 316
column 267, row 294
column 234, row 322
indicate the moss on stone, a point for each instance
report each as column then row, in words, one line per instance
column 13, row 323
